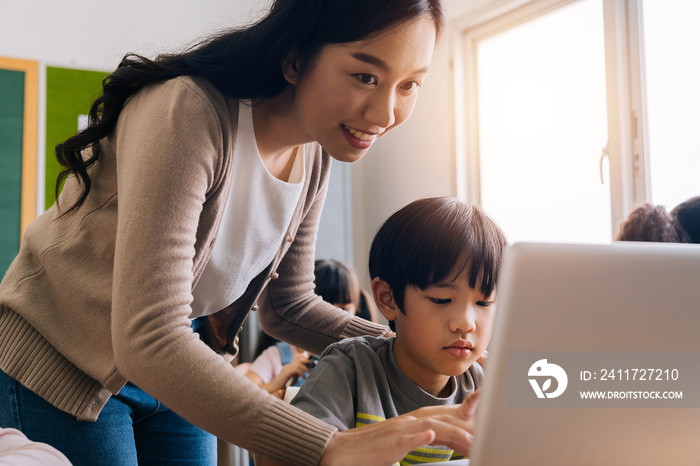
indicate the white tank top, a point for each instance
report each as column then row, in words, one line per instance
column 255, row 221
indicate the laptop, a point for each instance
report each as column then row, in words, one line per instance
column 595, row 358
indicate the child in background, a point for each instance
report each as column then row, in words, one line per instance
column 278, row 364
column 652, row 223
column 434, row 266
column 338, row 284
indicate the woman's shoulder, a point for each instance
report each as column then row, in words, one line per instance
column 186, row 84
column 188, row 92
column 200, row 86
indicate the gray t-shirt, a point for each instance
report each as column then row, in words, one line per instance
column 357, row 382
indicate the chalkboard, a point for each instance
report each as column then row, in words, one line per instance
column 11, row 125
column 18, row 152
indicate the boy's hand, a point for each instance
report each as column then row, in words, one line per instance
column 482, row 359
column 387, row 442
column 462, row 415
column 467, row 410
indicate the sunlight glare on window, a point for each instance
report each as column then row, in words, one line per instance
column 672, row 54
column 542, row 127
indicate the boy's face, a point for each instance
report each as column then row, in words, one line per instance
column 444, row 329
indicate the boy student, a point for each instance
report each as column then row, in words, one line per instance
column 434, row 266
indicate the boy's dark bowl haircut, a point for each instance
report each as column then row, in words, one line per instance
column 434, row 239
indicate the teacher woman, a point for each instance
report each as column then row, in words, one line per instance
column 196, row 191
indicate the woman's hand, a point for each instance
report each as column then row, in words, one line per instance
column 387, row 442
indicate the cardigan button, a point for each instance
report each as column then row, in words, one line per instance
column 289, row 238
column 274, row 275
column 255, row 307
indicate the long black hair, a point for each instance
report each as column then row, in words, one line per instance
column 244, row 63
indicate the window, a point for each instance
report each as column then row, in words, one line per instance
column 542, row 125
column 564, row 132
column 672, row 71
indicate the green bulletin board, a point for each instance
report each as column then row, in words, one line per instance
column 69, row 94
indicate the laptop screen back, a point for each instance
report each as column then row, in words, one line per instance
column 595, row 357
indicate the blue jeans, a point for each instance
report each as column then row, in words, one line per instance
column 132, row 429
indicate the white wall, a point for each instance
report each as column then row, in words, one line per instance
column 95, row 34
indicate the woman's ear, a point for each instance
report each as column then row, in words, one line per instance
column 384, row 298
column 291, row 67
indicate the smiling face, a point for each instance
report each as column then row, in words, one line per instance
column 351, row 94
column 443, row 330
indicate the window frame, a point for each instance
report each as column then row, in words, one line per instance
column 626, row 151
